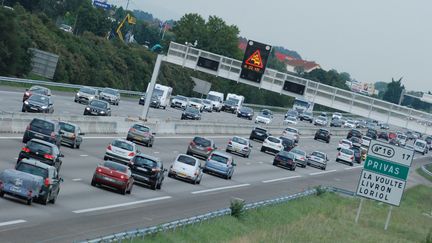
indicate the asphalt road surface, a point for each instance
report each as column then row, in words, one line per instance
column 85, row 212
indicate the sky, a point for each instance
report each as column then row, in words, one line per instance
column 369, row 39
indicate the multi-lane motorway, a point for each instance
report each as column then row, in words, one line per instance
column 83, row 211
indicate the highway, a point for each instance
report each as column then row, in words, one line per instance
column 84, row 212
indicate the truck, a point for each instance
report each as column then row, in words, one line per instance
column 302, row 105
column 216, row 98
column 163, row 93
column 237, row 99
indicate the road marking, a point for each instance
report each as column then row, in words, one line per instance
column 77, row 179
column 220, row 188
column 248, row 163
column 282, row 179
column 120, row 205
column 83, row 155
column 19, row 221
column 156, row 152
column 260, row 162
column 322, row 172
column 354, row 167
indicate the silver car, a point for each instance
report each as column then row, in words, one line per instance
column 239, row 145
column 201, row 146
column 179, row 101
column 110, row 95
column 121, row 150
column 141, row 134
column 86, row 94
column 208, row 105
column 318, row 159
column 300, row 157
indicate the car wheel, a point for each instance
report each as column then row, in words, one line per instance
column 170, row 175
column 78, row 146
column 315, row 138
column 189, row 153
column 323, row 168
column 153, row 186
column 328, row 141
column 45, row 200
column 29, row 201
column 123, row 191
column 151, row 144
column 1, row 194
column 262, row 149
column 352, row 163
column 105, row 158
column 53, row 201
column 274, row 163
column 73, row 145
column 159, row 186
column 93, row 182
column 337, row 160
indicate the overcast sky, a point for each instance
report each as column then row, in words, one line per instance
column 371, row 40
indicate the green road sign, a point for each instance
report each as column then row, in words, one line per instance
column 386, row 168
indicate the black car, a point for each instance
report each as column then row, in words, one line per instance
column 293, row 113
column 44, row 129
column 154, row 101
column 285, row 159
column 259, row 134
column 287, row 143
column 245, row 112
column 355, row 133
column 336, row 123
column 42, row 151
column 38, row 103
column 322, row 134
column 191, row 113
column 36, row 90
column 372, row 133
column 356, row 141
column 51, row 187
column 98, row 108
column 357, row 154
column 229, row 106
column 306, row 116
column 71, row 134
column 383, row 135
column 148, row 170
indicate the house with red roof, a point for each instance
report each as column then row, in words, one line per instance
column 298, row 65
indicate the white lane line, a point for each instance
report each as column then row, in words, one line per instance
column 322, row 172
column 83, row 155
column 156, row 152
column 120, row 205
column 282, row 179
column 354, row 167
column 77, row 179
column 19, row 221
column 220, row 188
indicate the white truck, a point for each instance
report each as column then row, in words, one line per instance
column 216, row 99
column 238, row 99
column 163, row 93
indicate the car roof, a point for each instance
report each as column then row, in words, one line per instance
column 323, row 129
column 263, row 129
column 37, row 163
column 43, row 142
column 103, row 101
column 69, row 123
column 189, row 156
column 148, row 157
column 221, row 153
column 44, row 119
column 124, row 140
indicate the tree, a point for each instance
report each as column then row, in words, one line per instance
column 393, row 92
column 189, row 28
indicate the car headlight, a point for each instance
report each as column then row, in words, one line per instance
column 88, row 108
column 44, row 107
column 102, row 112
column 91, row 97
column 26, row 102
column 78, row 93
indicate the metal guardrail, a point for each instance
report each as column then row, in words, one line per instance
column 63, row 85
column 174, row 225
column 423, row 168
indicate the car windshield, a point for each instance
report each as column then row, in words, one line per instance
column 158, row 92
column 39, row 90
column 324, row 131
column 143, row 161
column 44, row 125
column 347, row 151
column 39, row 99
column 420, row 144
column 41, row 148
column 273, row 140
column 298, row 151
column 202, row 141
column 286, row 155
column 110, row 91
column 115, row 166
column 141, row 128
column 67, row 127
column 179, row 97
column 307, row 113
column 321, row 118
column 123, row 145
column 213, row 97
column 246, row 110
column 257, row 129
column 32, row 169
column 207, row 102
column 240, row 140
column 229, row 102
column 290, row 130
column 88, row 91
column 192, row 110
column 319, row 155
column 186, row 160
column 266, row 115
column 403, row 137
column 219, row 158
column 346, row 142
column 195, row 100
column 99, row 104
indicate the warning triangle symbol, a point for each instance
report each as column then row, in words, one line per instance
column 255, row 60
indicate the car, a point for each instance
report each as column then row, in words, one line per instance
column 358, row 154
column 417, row 135
column 420, row 146
column 240, row 146
column 373, row 133
column 272, row 144
column 179, row 101
column 154, row 102
column 20, row 185
column 201, row 146
column 323, row 134
column 350, row 124
column 345, row 155
column 306, row 116
column 259, row 134
column 300, row 157
column 337, row 123
column 402, row 139
column 337, row 115
column 220, row 163
column 291, row 113
column 245, row 112
column 121, row 150
column 113, row 175
column 45, row 129
column 148, row 170
column 285, row 159
column 287, row 143
column 290, row 120
column 366, row 141
column 86, row 94
column 97, row 108
column 410, row 135
column 320, row 121
column 196, row 103
column 112, row 96
column 428, row 140
column 42, row 151
column 361, row 124
column 36, row 89
column 385, row 126
column 344, row 143
column 208, row 105
column 229, row 106
column 50, row 189
column 187, row 168
column 392, row 135
column 291, row 132
column 317, row 159
column 355, row 133
column 141, row 134
column 264, row 118
column 191, row 113
column 356, row 141
column 383, row 135
column 71, row 134
column 39, row 104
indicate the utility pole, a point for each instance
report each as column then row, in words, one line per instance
column 127, row 5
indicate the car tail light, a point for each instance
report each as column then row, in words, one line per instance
column 25, row 149
column 192, row 143
column 53, row 135
column 109, row 147
column 156, row 170
column 131, row 154
column 122, row 177
column 209, row 149
column 49, row 156
column 99, row 170
column 47, row 182
column 196, row 173
column 339, row 154
column 30, row 193
column 28, row 127
column 230, row 142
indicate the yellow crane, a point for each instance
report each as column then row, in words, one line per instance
column 130, row 20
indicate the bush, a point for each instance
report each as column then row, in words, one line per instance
column 237, row 207
column 429, row 237
column 320, row 190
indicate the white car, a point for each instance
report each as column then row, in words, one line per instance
column 366, row 141
column 291, row 132
column 272, row 144
column 239, row 145
column 345, row 143
column 186, row 167
column 263, row 118
column 337, row 115
column 197, row 103
column 420, row 146
column 346, row 155
column 402, row 139
column 121, row 150
column 350, row 124
column 320, row 121
column 290, row 120
column 208, row 105
column 179, row 101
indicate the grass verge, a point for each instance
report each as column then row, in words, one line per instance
column 325, row 218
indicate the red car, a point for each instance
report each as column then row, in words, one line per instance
column 36, row 90
column 114, row 175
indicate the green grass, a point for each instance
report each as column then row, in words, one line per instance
column 325, row 218
column 422, row 173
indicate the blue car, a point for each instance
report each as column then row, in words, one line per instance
column 20, row 184
column 220, row 163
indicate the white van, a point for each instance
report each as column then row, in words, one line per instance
column 216, row 99
column 163, row 93
column 420, row 146
column 238, row 99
